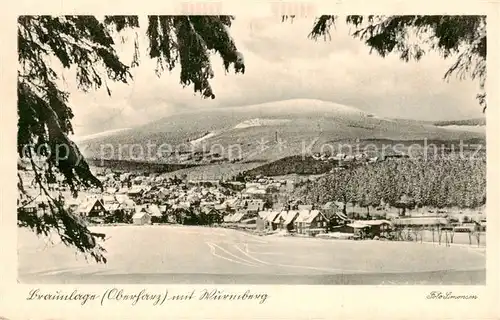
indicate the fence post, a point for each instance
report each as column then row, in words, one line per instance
column 439, row 234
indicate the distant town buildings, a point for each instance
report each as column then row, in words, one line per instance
column 262, row 204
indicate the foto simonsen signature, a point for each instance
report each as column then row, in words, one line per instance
column 440, row 295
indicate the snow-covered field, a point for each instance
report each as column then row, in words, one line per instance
column 480, row 129
column 200, row 140
column 178, row 254
column 98, row 135
column 257, row 122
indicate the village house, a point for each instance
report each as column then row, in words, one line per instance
column 108, row 199
column 367, row 228
column 141, row 216
column 112, row 208
column 254, row 206
column 38, row 205
column 30, row 208
column 286, row 220
column 311, row 222
column 152, row 209
column 271, row 220
column 135, row 192
column 260, row 222
column 254, row 191
column 127, row 204
column 239, row 217
column 92, row 208
column 333, row 211
column 234, row 218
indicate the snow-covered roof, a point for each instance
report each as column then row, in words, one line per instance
column 86, row 206
column 139, row 215
column 358, row 225
column 121, row 198
column 111, row 190
column 272, row 216
column 154, row 210
column 264, row 214
column 375, row 222
column 292, row 214
column 108, row 198
column 136, row 189
column 329, row 205
column 237, row 217
column 112, row 206
column 312, row 215
column 128, row 204
column 254, row 190
column 303, row 215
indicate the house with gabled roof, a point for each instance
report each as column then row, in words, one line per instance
column 93, row 207
column 286, row 219
column 154, row 210
column 112, row 207
column 141, row 218
column 272, row 220
column 108, row 199
column 311, row 222
column 261, row 220
column 136, row 191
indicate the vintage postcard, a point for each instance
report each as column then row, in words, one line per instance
column 270, row 160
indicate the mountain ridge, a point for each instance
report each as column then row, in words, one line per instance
column 285, row 127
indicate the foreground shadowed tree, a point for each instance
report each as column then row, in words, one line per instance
column 86, row 44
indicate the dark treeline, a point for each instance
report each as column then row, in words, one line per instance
column 435, row 183
column 184, row 216
column 467, row 122
column 131, row 165
column 190, row 216
column 295, row 164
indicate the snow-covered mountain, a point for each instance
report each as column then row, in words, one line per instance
column 297, row 121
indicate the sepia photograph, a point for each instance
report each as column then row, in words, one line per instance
column 280, row 150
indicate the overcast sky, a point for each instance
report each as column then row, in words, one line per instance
column 282, row 63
